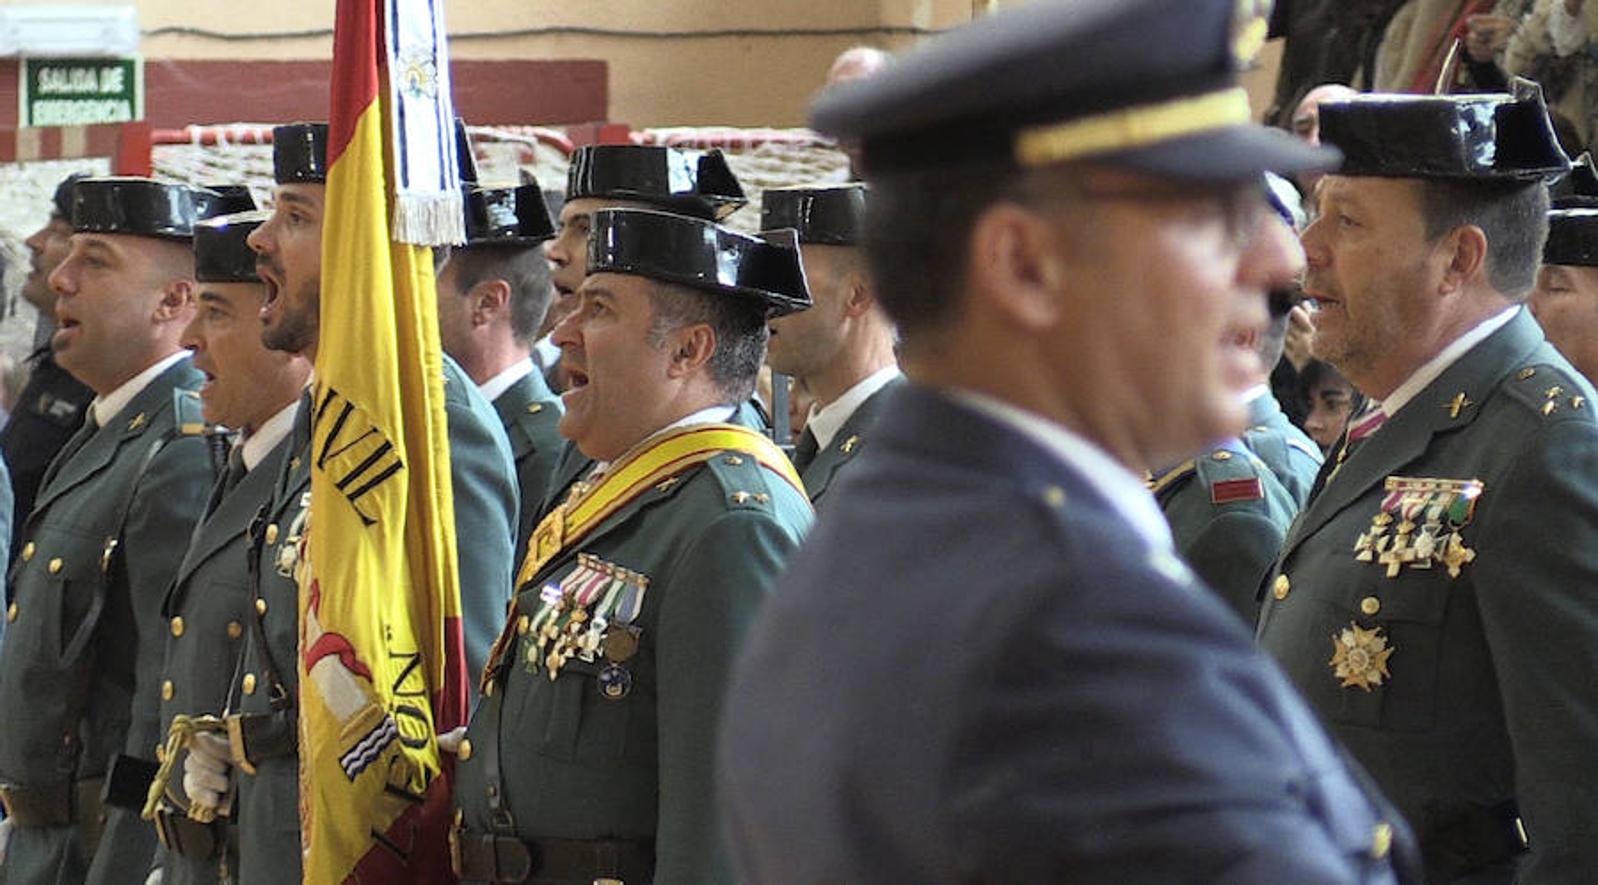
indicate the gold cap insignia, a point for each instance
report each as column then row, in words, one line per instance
column 1359, row 657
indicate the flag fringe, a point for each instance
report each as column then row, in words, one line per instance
column 430, row 219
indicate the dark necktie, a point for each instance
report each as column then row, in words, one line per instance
column 232, row 476
column 805, row 451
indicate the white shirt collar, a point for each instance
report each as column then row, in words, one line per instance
column 825, row 422
column 1438, row 364
column 105, row 408
column 1255, row 392
column 703, row 416
column 493, row 387
column 266, row 437
column 1119, row 486
column 545, row 353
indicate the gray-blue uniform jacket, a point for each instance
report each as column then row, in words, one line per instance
column 1437, row 603
column 1286, row 450
column 82, row 650
column 975, row 671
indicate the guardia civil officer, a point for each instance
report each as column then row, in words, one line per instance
column 253, row 391
column 1434, row 601
column 81, row 659
column 50, row 406
column 988, row 663
column 260, row 759
column 697, row 184
column 840, row 351
column 493, row 293
column 1565, row 301
column 590, row 758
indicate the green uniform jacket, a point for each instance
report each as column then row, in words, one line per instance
column 530, row 413
column 208, row 612
column 1228, row 514
column 77, row 633
column 484, row 486
column 846, row 444
column 1461, row 692
column 1287, row 450
column 576, row 764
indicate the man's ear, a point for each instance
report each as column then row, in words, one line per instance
column 690, row 348
column 1015, row 265
column 177, row 299
column 1464, row 255
column 488, row 299
column 859, row 296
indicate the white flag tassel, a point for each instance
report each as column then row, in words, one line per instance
column 428, row 206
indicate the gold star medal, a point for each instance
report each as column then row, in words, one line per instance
column 1359, row 657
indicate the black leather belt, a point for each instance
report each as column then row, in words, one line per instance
column 190, row 838
column 1481, row 837
column 256, row 737
column 483, row 858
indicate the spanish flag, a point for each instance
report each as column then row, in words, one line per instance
column 381, row 665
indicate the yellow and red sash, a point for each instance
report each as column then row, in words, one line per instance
column 659, row 459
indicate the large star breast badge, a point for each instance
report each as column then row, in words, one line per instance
column 1359, row 657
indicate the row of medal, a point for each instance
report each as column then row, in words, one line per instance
column 589, row 614
column 1418, row 525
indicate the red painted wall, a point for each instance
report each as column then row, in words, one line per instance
column 181, row 92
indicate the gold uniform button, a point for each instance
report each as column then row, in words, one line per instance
column 249, row 683
column 27, row 551
column 1282, row 587
column 1370, row 605
column 260, row 606
column 1222, row 455
column 55, row 565
column 523, row 624
column 11, row 612
column 466, row 750
column 271, row 533
column 234, row 629
column 1381, row 840
column 166, row 690
column 177, row 626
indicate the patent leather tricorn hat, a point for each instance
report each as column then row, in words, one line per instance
column 825, row 216
column 511, row 216
column 689, row 182
column 221, row 254
column 299, row 153
column 1486, row 137
column 138, row 206
column 700, row 254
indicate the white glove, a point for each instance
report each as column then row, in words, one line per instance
column 154, row 878
column 450, row 741
column 205, row 771
column 5, row 839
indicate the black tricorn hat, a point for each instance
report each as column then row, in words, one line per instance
column 221, row 254
column 701, row 254
column 63, row 194
column 1149, row 85
column 1573, row 237
column 228, row 199
column 697, row 183
column 1577, row 189
column 1487, row 137
column 299, row 153
column 825, row 216
column 513, row 216
column 138, row 206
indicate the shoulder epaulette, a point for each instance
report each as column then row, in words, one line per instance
column 1231, row 474
column 188, row 414
column 1551, row 391
column 743, row 482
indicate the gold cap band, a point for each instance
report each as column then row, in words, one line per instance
column 1132, row 128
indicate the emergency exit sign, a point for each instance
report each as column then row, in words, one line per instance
column 81, row 91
